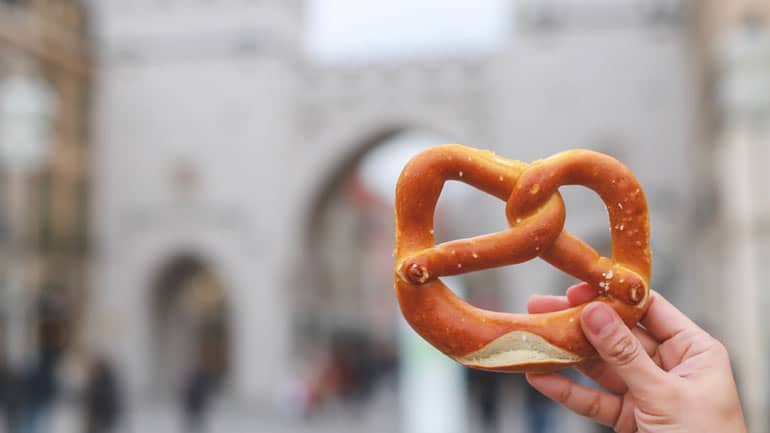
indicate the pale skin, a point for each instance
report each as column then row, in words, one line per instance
column 665, row 375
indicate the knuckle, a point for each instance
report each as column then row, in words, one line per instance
column 720, row 349
column 565, row 394
column 623, row 424
column 624, row 350
column 594, row 407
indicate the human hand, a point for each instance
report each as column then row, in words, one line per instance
column 667, row 375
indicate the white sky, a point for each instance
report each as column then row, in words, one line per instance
column 349, row 31
column 352, row 31
column 382, row 166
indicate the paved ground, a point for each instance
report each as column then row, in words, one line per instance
column 378, row 416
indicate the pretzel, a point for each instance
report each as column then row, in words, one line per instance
column 535, row 211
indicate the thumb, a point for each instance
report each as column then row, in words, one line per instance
column 620, row 349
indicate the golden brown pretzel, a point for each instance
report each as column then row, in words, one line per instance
column 535, row 211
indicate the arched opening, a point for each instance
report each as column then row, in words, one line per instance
column 347, row 321
column 190, row 325
column 352, row 217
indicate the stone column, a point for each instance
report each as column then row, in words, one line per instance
column 742, row 162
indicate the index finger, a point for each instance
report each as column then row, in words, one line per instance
column 578, row 294
column 581, row 293
column 546, row 304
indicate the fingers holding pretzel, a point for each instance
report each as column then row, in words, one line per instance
column 535, row 213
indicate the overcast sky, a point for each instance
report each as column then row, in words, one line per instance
column 381, row 167
column 344, row 31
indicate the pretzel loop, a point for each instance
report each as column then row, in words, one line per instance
column 535, row 211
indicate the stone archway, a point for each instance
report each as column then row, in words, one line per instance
column 350, row 311
column 349, row 216
column 190, row 324
column 344, row 216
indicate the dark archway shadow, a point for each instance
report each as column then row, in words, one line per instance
column 346, row 317
column 190, row 326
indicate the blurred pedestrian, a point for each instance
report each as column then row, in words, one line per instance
column 40, row 386
column 539, row 411
column 11, row 387
column 101, row 398
column 485, row 388
column 196, row 398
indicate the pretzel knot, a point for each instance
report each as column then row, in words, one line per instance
column 535, row 212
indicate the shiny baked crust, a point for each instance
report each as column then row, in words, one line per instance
column 535, row 212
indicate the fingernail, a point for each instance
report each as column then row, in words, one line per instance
column 598, row 319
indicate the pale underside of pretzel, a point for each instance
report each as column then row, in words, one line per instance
column 535, row 211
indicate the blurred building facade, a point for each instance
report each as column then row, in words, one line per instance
column 735, row 37
column 217, row 142
column 45, row 211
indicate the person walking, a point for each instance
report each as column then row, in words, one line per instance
column 101, row 398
